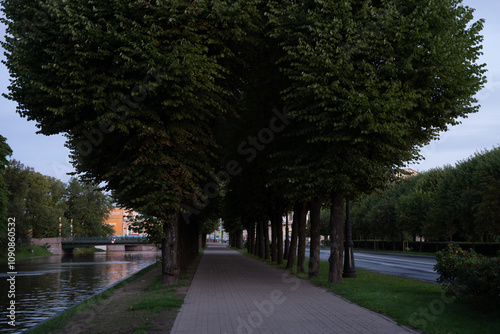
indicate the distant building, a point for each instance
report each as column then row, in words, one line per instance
column 410, row 171
column 120, row 220
column 407, row 173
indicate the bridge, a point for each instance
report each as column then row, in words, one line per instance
column 73, row 242
column 66, row 245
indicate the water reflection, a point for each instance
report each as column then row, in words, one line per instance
column 46, row 286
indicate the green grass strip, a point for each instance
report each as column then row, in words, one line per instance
column 144, row 328
column 410, row 302
column 159, row 298
column 156, row 302
column 60, row 320
column 23, row 252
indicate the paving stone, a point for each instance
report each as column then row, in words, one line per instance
column 232, row 293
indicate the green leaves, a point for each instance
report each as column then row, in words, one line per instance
column 459, row 203
column 373, row 81
column 41, row 203
column 466, row 273
column 5, row 151
column 156, row 96
column 137, row 87
column 87, row 208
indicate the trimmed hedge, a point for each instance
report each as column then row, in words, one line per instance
column 467, row 273
column 487, row 249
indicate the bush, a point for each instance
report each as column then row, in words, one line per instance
column 466, row 273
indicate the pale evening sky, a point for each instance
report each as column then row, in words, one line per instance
column 479, row 131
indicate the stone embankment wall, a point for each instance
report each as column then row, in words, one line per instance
column 115, row 248
column 141, row 248
column 53, row 245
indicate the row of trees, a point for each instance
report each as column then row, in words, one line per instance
column 460, row 203
column 44, row 206
column 5, row 152
column 167, row 101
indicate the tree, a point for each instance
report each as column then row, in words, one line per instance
column 385, row 88
column 150, row 226
column 44, row 205
column 451, row 203
column 368, row 83
column 149, row 78
column 5, row 151
column 488, row 210
column 487, row 194
column 417, row 205
column 315, row 209
column 412, row 208
column 87, row 207
column 17, row 178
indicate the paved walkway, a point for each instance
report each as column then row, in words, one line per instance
column 232, row 293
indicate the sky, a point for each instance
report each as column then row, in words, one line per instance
column 478, row 132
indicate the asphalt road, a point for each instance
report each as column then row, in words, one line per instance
column 408, row 266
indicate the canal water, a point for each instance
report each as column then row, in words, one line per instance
column 48, row 285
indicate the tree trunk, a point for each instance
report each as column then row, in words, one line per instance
column 265, row 229
column 274, row 237
column 239, row 239
column 203, row 240
column 292, row 252
column 194, row 249
column 250, row 238
column 182, row 251
column 260, row 240
column 256, row 245
column 277, row 223
column 301, row 256
column 336, row 237
column 287, row 239
column 170, row 269
column 279, row 234
column 314, row 261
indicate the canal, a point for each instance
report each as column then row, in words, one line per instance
column 48, row 285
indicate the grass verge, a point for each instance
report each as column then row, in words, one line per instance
column 24, row 252
column 62, row 319
column 158, row 298
column 136, row 305
column 413, row 303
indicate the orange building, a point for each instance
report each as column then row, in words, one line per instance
column 120, row 220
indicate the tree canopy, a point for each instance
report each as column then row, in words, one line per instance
column 5, row 151
column 154, row 97
column 370, row 82
column 457, row 203
column 87, row 207
column 44, row 206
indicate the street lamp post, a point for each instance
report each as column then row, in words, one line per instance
column 349, row 267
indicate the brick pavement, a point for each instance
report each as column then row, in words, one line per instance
column 232, row 293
